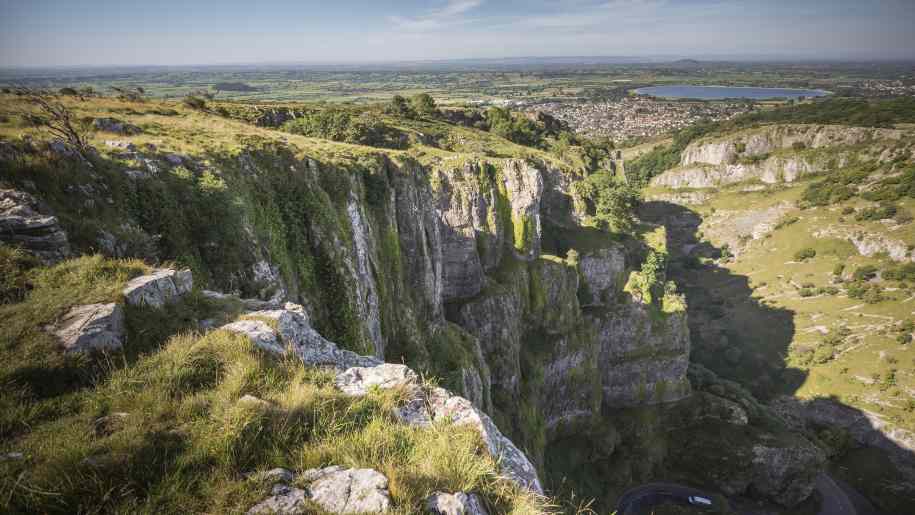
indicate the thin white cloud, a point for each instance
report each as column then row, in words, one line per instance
column 601, row 15
column 449, row 14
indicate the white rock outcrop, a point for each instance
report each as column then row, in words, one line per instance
column 159, row 288
column 360, row 380
column 340, row 490
column 285, row 500
column 260, row 333
column 91, row 327
column 514, row 463
column 360, row 374
column 334, row 489
column 23, row 224
column 867, row 242
column 458, row 503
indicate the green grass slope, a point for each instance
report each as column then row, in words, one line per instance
column 805, row 289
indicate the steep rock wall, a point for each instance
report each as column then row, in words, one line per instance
column 780, row 153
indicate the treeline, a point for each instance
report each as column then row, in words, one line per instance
column 843, row 111
column 338, row 124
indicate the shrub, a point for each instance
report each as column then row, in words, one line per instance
column 805, row 254
column 838, row 269
column 15, row 265
column 517, row 129
column 424, row 105
column 873, row 296
column 194, row 102
column 872, row 214
column 798, row 146
column 399, row 106
column 823, row 354
column 903, row 217
column 786, row 221
column 340, row 125
column 904, row 272
column 806, row 292
column 865, row 273
column 867, row 292
column 848, row 210
column 609, row 200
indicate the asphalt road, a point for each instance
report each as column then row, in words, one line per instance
column 638, row 500
column 834, row 500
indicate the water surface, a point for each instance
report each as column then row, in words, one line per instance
column 722, row 92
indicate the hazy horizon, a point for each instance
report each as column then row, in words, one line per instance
column 50, row 33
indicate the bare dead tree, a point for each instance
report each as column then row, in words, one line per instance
column 55, row 118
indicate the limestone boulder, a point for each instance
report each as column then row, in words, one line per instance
column 340, row 490
column 294, row 328
column 360, row 380
column 163, row 286
column 116, row 126
column 121, row 145
column 284, row 500
column 513, row 462
column 91, row 327
column 458, row 503
column 259, row 332
column 25, row 223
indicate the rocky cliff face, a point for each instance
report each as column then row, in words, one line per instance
column 780, row 137
column 441, row 265
column 779, row 154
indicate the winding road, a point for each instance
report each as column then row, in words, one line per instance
column 638, row 500
column 834, row 501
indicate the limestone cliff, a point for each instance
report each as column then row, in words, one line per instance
column 469, row 268
column 780, row 154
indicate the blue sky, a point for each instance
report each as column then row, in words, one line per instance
column 101, row 32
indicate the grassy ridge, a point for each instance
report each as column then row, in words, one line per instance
column 161, row 428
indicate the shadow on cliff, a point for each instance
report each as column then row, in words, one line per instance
column 734, row 334
column 741, row 338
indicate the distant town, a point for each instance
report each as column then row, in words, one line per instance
column 638, row 117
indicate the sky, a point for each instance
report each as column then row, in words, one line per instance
column 186, row 32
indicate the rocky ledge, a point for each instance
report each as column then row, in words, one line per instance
column 25, row 223
column 357, row 375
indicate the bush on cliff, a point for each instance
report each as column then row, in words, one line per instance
column 611, row 202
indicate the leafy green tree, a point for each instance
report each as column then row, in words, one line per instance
column 516, row 129
column 424, row 105
column 341, row 125
column 611, row 201
column 399, row 106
